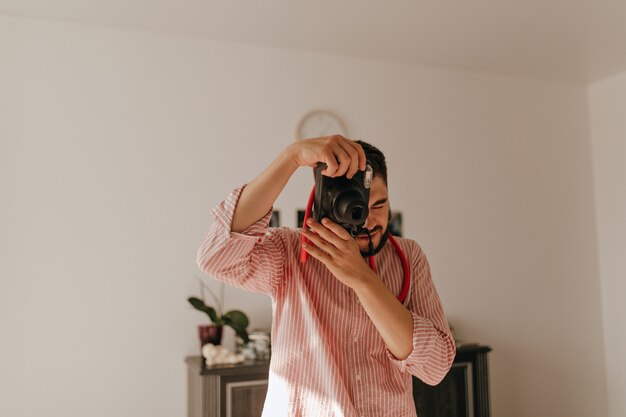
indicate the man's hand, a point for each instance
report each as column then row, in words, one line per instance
column 336, row 249
column 342, row 156
column 339, row 251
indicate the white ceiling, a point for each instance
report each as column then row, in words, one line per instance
column 563, row 40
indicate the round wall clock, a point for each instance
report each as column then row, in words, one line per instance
column 318, row 123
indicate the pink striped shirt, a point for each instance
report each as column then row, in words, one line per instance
column 328, row 359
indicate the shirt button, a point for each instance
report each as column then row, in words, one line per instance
column 354, row 338
column 358, row 377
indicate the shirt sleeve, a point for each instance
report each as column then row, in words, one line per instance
column 434, row 348
column 253, row 260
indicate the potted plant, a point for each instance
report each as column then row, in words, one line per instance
column 212, row 333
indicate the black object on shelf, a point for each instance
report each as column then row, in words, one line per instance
column 464, row 392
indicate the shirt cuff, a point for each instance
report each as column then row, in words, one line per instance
column 424, row 339
column 223, row 216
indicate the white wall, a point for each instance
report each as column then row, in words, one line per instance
column 5, row 149
column 607, row 104
column 125, row 140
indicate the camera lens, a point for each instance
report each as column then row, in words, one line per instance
column 357, row 213
column 349, row 208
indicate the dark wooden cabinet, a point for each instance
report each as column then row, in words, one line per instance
column 227, row 390
column 239, row 390
column 464, row 392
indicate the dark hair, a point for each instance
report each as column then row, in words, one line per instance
column 376, row 159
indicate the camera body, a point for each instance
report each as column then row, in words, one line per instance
column 342, row 200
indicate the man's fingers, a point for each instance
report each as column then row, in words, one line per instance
column 328, row 157
column 360, row 154
column 342, row 157
column 315, row 252
column 319, row 242
column 353, row 155
column 344, row 160
column 336, row 229
column 336, row 238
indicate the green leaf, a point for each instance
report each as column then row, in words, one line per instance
column 198, row 304
column 238, row 317
column 239, row 322
column 241, row 332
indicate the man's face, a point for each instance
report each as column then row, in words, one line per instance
column 378, row 217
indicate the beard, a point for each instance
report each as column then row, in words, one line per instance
column 383, row 239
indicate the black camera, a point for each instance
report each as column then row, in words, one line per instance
column 342, row 200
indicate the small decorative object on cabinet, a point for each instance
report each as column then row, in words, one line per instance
column 259, row 346
column 239, row 390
